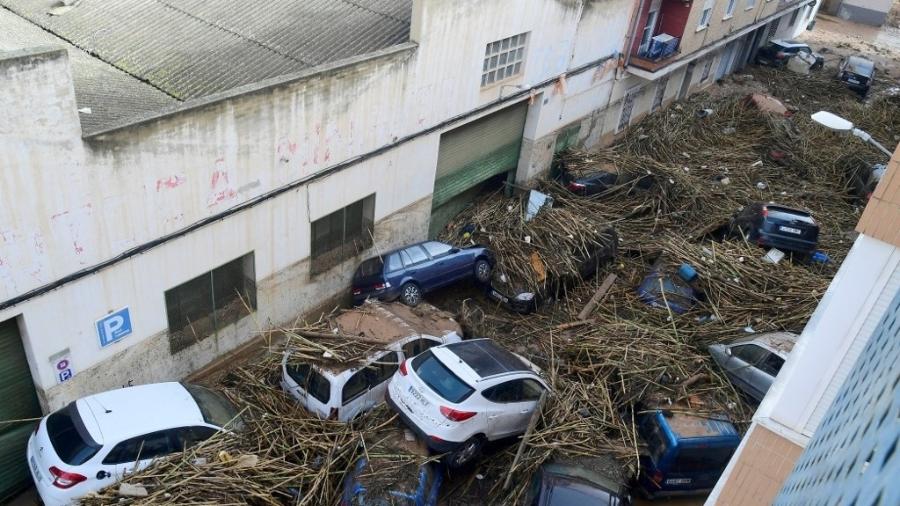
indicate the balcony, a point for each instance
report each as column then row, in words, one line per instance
column 658, row 33
column 661, row 50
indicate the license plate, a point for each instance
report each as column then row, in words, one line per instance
column 790, row 230
column 678, row 481
column 34, row 469
column 417, row 395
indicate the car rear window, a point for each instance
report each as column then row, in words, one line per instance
column 370, row 267
column 779, row 213
column 216, row 409
column 440, row 379
column 69, row 437
column 657, row 444
column 311, row 381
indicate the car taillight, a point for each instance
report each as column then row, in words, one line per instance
column 380, row 286
column 62, row 479
column 765, row 212
column 576, row 187
column 357, row 291
column 333, row 414
column 436, row 439
column 455, row 415
column 780, row 55
column 403, row 370
column 657, row 477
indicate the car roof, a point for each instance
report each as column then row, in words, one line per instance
column 401, row 248
column 786, row 209
column 779, row 342
column 486, row 358
column 687, row 426
column 123, row 413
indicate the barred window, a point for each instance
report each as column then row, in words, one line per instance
column 342, row 234
column 503, row 59
column 210, row 302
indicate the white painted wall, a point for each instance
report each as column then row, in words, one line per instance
column 69, row 203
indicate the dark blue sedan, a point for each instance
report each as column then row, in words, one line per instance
column 408, row 273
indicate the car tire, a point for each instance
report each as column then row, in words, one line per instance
column 410, row 294
column 482, row 271
column 467, row 453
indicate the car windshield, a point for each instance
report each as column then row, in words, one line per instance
column 370, row 267
column 574, row 492
column 789, row 215
column 440, row 379
column 216, row 410
column 69, row 437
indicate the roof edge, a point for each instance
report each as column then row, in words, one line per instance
column 252, row 88
column 44, row 50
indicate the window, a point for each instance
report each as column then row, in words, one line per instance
column 627, row 107
column 701, row 459
column 357, row 385
column 394, row 263
column 521, row 390
column 215, row 409
column 660, row 93
column 707, row 68
column 729, row 11
column 383, row 368
column 210, row 302
column 706, row 15
column 751, row 4
column 503, row 59
column 437, row 249
column 69, row 437
column 649, row 27
column 772, row 364
column 342, row 234
column 414, row 255
column 749, row 353
column 794, row 17
column 413, row 348
column 148, row 446
column 440, row 379
column 310, row 381
column 186, row 437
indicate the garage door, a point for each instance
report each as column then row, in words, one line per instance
column 472, row 154
column 18, row 401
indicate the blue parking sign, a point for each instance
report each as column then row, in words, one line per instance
column 113, row 327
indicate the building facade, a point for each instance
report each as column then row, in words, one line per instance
column 176, row 180
column 859, row 308
column 868, row 12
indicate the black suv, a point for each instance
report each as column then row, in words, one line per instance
column 857, row 73
column 775, row 226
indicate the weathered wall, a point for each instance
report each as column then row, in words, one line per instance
column 869, row 12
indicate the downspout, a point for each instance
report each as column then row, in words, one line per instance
column 629, row 44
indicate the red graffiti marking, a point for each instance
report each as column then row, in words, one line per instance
column 217, row 176
column 78, row 249
column 170, row 182
column 327, row 154
column 220, row 196
column 1, row 261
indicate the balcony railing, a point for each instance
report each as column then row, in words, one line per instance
column 658, row 53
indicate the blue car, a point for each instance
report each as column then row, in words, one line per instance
column 686, row 454
column 408, row 273
column 423, row 490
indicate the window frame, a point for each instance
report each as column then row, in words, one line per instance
column 706, row 15
column 332, row 242
column 735, row 353
column 510, row 67
column 765, row 366
column 729, row 9
column 408, row 350
column 138, row 457
column 361, row 373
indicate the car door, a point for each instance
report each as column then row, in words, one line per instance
column 308, row 386
column 138, row 452
column 380, row 372
column 353, row 395
column 741, row 368
column 768, row 369
column 416, row 266
column 513, row 402
column 446, row 266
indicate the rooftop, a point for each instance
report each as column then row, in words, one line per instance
column 134, row 56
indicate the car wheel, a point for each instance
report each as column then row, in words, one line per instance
column 482, row 271
column 468, row 452
column 410, row 294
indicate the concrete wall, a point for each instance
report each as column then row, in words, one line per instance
column 869, row 12
column 72, row 204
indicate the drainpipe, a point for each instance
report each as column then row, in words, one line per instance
column 635, row 17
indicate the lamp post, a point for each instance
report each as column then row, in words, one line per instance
column 839, row 124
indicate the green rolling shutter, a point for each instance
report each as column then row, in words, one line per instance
column 18, row 401
column 472, row 154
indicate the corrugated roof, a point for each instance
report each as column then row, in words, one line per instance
column 193, row 48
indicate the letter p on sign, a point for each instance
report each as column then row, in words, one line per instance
column 113, row 327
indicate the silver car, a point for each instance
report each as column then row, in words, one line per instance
column 752, row 363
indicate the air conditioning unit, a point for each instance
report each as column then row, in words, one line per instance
column 662, row 46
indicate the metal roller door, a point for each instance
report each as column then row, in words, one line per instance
column 18, row 401
column 472, row 154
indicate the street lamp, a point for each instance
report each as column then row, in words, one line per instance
column 837, row 123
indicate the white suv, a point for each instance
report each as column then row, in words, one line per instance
column 457, row 396
column 341, row 391
column 95, row 441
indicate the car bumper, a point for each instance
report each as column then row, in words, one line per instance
column 385, row 295
column 435, row 445
column 786, row 243
column 50, row 495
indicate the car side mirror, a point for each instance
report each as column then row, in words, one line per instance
column 101, row 474
column 728, row 351
column 454, row 251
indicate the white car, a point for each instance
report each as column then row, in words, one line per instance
column 95, row 441
column 457, row 396
column 341, row 392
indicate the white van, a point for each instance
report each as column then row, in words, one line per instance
column 341, row 391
